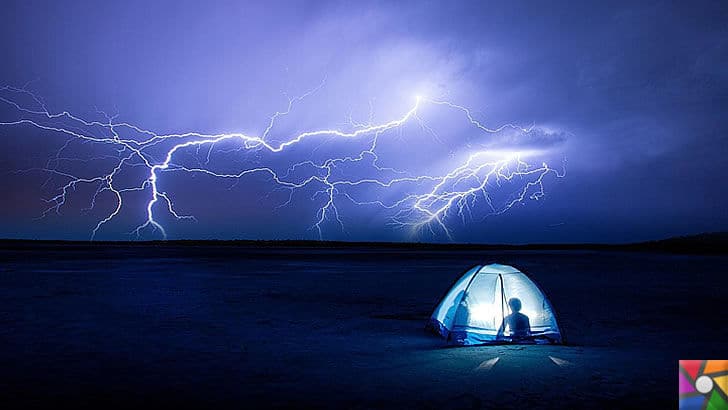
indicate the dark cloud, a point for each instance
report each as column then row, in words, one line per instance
column 631, row 95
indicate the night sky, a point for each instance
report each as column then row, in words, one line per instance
column 628, row 100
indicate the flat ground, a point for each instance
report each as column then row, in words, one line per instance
column 236, row 327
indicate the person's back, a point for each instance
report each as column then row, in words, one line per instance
column 518, row 324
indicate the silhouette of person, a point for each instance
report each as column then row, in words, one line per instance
column 457, row 314
column 516, row 322
column 453, row 310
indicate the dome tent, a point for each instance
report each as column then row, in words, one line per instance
column 481, row 308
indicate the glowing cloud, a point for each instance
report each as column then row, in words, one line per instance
column 415, row 200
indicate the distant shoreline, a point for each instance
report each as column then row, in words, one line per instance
column 708, row 243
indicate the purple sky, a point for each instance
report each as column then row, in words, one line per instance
column 630, row 97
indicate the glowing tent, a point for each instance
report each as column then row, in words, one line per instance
column 495, row 304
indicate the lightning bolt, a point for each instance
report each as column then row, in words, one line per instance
column 419, row 202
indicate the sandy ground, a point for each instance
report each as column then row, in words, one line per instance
column 240, row 327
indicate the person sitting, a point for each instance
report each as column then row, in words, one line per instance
column 517, row 323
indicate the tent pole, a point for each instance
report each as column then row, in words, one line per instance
column 503, row 298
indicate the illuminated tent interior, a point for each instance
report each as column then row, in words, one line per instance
column 487, row 305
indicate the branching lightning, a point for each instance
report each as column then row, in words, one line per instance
column 419, row 202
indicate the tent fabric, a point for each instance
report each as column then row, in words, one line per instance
column 476, row 309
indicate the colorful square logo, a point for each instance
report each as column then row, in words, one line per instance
column 703, row 384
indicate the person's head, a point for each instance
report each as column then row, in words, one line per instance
column 515, row 304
